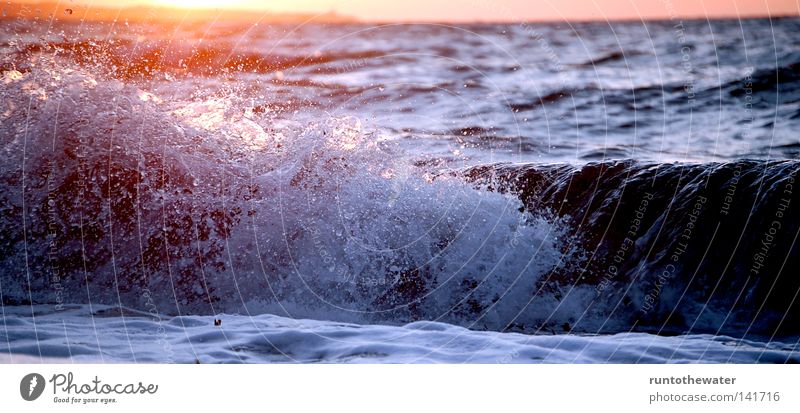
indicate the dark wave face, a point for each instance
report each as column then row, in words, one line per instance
column 674, row 247
column 586, row 178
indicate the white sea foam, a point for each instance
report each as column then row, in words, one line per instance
column 201, row 207
column 77, row 334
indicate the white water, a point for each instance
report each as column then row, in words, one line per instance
column 326, row 221
column 77, row 334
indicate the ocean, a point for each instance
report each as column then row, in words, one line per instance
column 494, row 193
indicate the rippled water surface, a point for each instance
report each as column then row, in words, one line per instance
column 612, row 185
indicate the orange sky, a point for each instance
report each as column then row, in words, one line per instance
column 491, row 10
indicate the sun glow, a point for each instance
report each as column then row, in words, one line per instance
column 204, row 4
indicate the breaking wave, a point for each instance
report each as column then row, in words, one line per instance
column 112, row 194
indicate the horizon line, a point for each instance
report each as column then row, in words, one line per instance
column 244, row 14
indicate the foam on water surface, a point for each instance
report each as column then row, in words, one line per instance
column 102, row 335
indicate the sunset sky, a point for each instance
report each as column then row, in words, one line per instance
column 486, row 10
